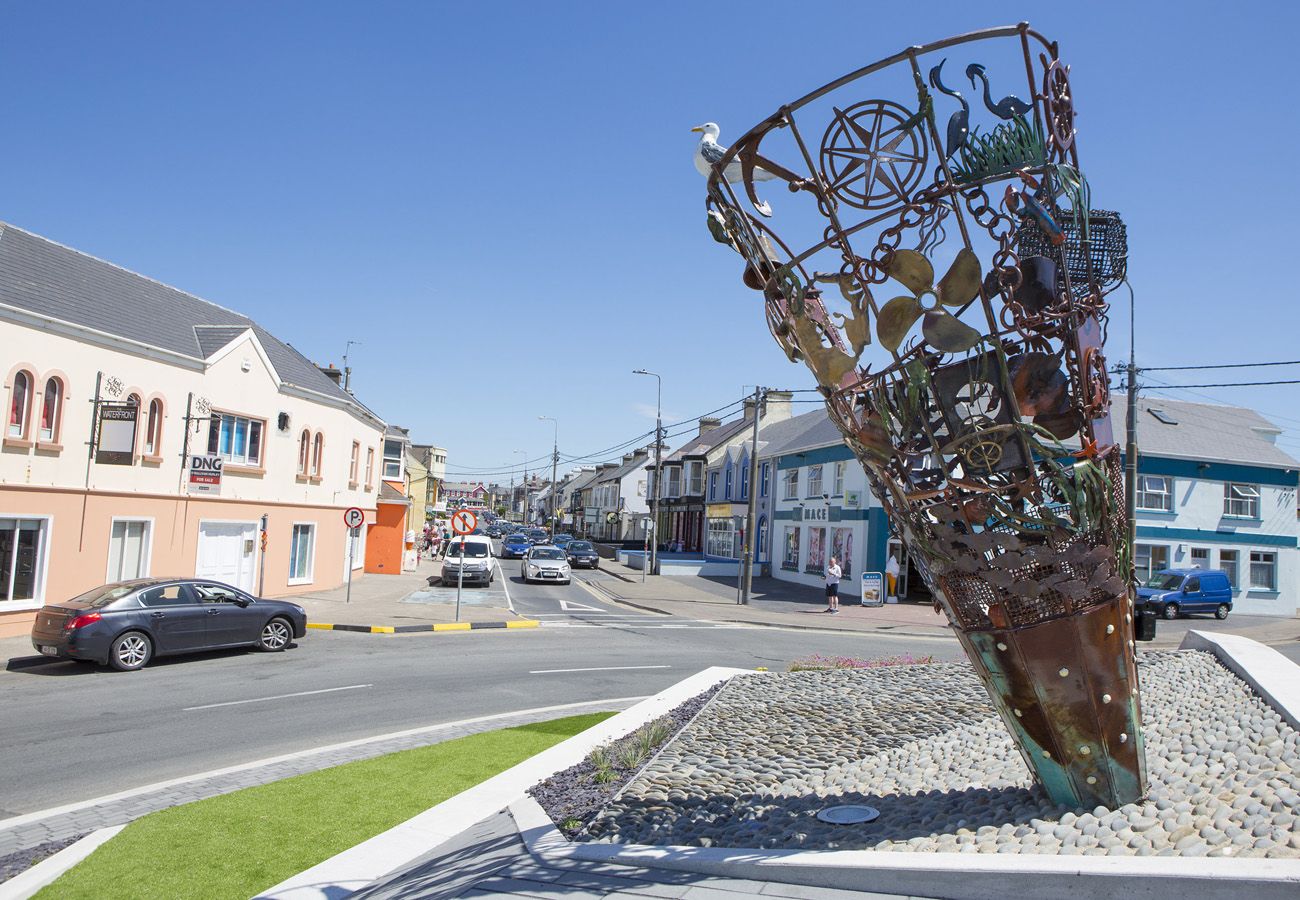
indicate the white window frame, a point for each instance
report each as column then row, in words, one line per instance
column 815, row 480
column 1234, row 578
column 354, row 467
column 1272, row 568
column 56, row 419
column 695, row 479
column 790, row 484
column 674, row 481
column 837, row 486
column 744, row 482
column 1236, row 492
column 146, row 541
column 399, row 459
column 311, row 554
column 232, row 458
column 764, row 480
column 1192, row 560
column 1155, row 493
column 42, row 565
column 20, row 429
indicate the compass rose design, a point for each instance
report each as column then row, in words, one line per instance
column 872, row 156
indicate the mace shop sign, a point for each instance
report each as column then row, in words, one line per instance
column 116, row 443
column 204, row 474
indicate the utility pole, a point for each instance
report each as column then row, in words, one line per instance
column 1131, row 447
column 653, row 561
column 747, row 554
column 512, row 482
column 555, row 461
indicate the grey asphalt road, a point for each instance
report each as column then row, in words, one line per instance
column 73, row 731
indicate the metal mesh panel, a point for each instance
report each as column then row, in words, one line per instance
column 1107, row 248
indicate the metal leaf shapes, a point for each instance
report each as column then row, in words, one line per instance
column 942, row 330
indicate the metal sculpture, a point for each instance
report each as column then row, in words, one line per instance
column 963, row 425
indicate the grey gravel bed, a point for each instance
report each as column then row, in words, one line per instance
column 924, row 746
column 15, row 864
column 573, row 794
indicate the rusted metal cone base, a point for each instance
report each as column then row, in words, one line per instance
column 1067, row 689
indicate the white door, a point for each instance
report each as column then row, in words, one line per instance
column 228, row 552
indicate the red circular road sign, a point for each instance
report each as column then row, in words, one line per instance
column 354, row 517
column 464, row 522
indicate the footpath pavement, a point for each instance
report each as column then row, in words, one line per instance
column 778, row 603
column 411, row 602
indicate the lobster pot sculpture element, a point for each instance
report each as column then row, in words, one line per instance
column 949, row 296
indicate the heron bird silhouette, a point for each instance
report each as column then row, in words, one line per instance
column 959, row 123
column 1008, row 107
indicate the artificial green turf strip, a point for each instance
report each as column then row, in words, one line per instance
column 237, row 844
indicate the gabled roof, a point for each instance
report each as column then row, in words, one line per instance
column 47, row 279
column 637, row 461
column 1202, row 431
column 581, row 481
column 812, row 429
column 701, row 444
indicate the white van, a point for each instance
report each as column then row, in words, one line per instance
column 473, row 553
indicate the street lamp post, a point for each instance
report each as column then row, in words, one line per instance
column 654, row 504
column 524, row 484
column 555, row 461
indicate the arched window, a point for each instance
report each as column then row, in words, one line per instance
column 51, row 410
column 153, row 428
column 318, row 448
column 20, row 405
column 304, row 447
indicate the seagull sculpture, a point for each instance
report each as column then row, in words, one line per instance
column 708, row 151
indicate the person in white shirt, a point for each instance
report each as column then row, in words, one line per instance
column 833, row 573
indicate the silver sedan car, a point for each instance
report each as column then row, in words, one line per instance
column 545, row 562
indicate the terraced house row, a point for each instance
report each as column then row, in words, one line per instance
column 150, row 432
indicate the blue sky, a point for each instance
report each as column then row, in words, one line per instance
column 498, row 200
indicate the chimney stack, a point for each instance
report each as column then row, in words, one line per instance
column 777, row 407
column 333, row 374
column 708, row 423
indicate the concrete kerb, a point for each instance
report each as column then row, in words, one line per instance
column 1272, row 675
column 383, row 854
column 44, row 873
column 425, row 629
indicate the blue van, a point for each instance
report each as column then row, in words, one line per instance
column 1179, row 591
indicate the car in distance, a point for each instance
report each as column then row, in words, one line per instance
column 582, row 555
column 469, row 561
column 128, row 623
column 537, row 535
column 561, row 539
column 545, row 562
column 1174, row 592
column 515, row 546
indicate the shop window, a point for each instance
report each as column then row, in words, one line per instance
column 722, row 538
column 1148, row 559
column 790, row 554
column 22, row 559
column 816, row 551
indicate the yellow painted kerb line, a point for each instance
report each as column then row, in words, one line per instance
column 451, row 626
column 321, row 625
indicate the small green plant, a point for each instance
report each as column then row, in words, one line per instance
column 817, row 662
column 571, row 824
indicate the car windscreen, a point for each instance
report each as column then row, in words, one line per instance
column 516, row 539
column 547, row 553
column 103, row 595
column 579, row 546
column 1165, row 582
column 473, row 549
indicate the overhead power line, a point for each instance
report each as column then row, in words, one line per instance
column 1232, row 384
column 1250, row 365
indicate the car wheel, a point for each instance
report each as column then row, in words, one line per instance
column 276, row 635
column 130, row 651
column 1221, row 611
column 1170, row 611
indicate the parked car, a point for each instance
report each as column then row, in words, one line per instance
column 545, row 562
column 128, row 623
column 1174, row 592
column 515, row 546
column 582, row 555
column 473, row 553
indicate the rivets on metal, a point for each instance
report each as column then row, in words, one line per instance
column 1092, row 779
column 1085, row 749
column 1110, row 629
column 1064, row 672
column 1128, row 618
column 1001, row 646
column 1046, row 755
column 1018, row 713
column 1134, row 692
column 1123, row 737
column 1105, row 698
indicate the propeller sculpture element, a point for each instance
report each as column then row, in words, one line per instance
column 961, row 427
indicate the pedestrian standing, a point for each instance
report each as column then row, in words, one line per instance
column 833, row 573
column 446, row 539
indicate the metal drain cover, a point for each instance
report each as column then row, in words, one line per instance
column 848, row 815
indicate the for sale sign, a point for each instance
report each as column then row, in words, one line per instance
column 204, row 474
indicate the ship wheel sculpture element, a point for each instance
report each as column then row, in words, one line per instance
column 873, row 154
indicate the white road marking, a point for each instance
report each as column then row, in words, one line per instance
column 350, row 687
column 595, row 669
column 571, row 606
column 505, row 586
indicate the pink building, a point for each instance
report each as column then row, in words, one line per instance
column 122, row 398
